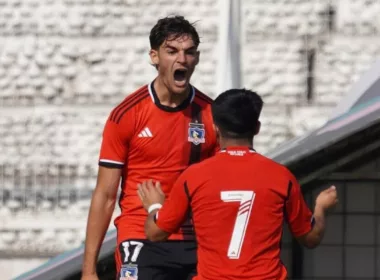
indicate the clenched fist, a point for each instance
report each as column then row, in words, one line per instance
column 327, row 198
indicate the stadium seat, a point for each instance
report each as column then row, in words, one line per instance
column 356, row 17
column 339, row 64
column 277, row 70
column 289, row 19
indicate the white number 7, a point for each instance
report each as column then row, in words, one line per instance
column 246, row 199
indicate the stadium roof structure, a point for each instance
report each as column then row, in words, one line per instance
column 350, row 137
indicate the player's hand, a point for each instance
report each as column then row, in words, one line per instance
column 327, row 198
column 150, row 193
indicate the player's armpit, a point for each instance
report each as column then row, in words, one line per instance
column 152, row 231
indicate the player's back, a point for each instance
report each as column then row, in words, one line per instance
column 237, row 199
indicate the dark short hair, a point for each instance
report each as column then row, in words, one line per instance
column 236, row 112
column 174, row 27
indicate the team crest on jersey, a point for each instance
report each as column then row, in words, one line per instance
column 196, row 133
column 128, row 272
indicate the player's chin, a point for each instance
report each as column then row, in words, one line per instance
column 180, row 87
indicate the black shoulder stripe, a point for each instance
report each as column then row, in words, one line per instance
column 142, row 97
column 186, row 188
column 290, row 185
column 191, row 228
column 128, row 99
column 131, row 98
column 204, row 97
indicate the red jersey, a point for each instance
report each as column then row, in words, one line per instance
column 239, row 200
column 152, row 141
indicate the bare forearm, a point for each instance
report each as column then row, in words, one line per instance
column 320, row 221
column 152, row 231
column 99, row 219
column 315, row 236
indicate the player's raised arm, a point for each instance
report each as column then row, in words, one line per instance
column 164, row 219
column 325, row 200
column 111, row 162
column 308, row 228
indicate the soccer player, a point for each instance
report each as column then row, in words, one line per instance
column 157, row 131
column 238, row 199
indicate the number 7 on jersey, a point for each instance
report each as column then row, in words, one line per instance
column 246, row 199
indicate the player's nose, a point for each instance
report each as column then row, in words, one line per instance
column 181, row 58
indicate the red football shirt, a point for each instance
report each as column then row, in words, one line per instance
column 151, row 141
column 239, row 200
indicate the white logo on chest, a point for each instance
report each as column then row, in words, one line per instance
column 145, row 133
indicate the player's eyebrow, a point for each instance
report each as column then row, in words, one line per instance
column 170, row 47
column 192, row 48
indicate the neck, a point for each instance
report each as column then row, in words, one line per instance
column 166, row 97
column 225, row 143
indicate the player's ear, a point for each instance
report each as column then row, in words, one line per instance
column 197, row 57
column 258, row 126
column 154, row 57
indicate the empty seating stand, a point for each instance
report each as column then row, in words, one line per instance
column 65, row 63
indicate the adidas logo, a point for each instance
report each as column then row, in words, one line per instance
column 145, row 133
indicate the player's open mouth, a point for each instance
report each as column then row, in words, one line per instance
column 180, row 77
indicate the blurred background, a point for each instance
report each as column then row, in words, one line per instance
column 64, row 64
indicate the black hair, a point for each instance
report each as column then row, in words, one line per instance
column 236, row 113
column 174, row 27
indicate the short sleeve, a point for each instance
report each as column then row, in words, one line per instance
column 115, row 141
column 298, row 214
column 175, row 209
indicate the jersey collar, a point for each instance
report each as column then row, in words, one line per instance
column 238, row 148
column 180, row 107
